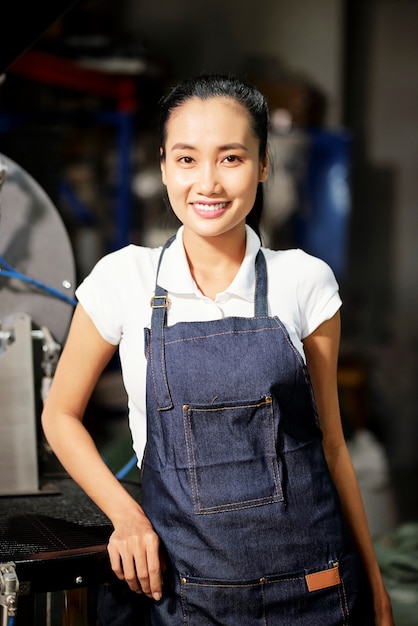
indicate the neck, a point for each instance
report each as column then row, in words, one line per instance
column 214, row 261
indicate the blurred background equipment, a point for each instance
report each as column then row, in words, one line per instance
column 37, row 17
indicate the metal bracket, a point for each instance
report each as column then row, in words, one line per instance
column 50, row 349
column 7, row 337
column 9, row 588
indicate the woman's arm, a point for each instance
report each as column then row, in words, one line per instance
column 133, row 546
column 321, row 349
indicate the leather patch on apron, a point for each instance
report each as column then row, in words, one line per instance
column 323, row 579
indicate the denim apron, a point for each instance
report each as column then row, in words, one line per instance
column 235, row 482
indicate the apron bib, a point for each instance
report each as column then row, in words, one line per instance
column 234, row 478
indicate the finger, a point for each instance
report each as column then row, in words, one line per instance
column 132, row 580
column 149, row 572
column 130, row 575
column 155, row 575
column 124, row 568
column 115, row 562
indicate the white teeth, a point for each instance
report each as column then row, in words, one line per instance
column 210, row 207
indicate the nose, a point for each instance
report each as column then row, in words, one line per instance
column 208, row 182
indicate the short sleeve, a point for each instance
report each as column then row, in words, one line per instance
column 98, row 295
column 318, row 293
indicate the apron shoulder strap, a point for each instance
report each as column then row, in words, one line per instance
column 159, row 304
column 260, row 296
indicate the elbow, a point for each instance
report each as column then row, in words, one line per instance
column 334, row 448
column 47, row 423
column 54, row 420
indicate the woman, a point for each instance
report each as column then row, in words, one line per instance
column 251, row 512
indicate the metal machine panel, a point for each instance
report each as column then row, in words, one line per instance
column 18, row 436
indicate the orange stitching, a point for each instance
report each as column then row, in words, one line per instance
column 229, row 332
column 273, row 457
column 346, row 614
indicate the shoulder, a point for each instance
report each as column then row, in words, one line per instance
column 305, row 284
column 131, row 258
column 298, row 266
column 119, row 270
column 117, row 291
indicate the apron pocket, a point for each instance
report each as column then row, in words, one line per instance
column 232, row 457
column 207, row 602
column 271, row 600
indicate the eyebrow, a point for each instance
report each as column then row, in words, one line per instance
column 224, row 148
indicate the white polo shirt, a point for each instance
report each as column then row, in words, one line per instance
column 302, row 292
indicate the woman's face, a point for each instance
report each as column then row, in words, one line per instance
column 211, row 167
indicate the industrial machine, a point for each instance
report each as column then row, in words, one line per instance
column 37, row 276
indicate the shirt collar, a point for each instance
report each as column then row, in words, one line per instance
column 174, row 274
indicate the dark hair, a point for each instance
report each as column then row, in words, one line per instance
column 208, row 86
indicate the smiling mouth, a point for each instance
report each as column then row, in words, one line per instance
column 219, row 206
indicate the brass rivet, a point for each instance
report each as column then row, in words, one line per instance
column 183, row 580
column 185, row 407
column 263, row 581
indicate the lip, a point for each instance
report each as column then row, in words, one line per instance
column 210, row 210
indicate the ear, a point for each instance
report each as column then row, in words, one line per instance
column 162, row 166
column 264, row 169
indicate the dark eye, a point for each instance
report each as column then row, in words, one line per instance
column 232, row 158
column 186, row 159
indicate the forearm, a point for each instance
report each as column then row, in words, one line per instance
column 76, row 450
column 133, row 546
column 343, row 474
